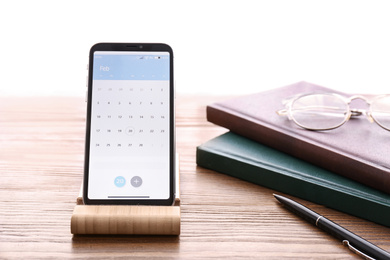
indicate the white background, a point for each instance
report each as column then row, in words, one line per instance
column 221, row 47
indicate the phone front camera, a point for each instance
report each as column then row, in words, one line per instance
column 141, row 46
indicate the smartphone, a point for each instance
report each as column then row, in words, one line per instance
column 130, row 130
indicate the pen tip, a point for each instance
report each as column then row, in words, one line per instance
column 278, row 197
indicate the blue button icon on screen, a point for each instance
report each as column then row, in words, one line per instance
column 120, row 181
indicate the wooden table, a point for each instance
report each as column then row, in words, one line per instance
column 41, row 167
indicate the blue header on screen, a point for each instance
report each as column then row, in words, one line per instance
column 131, row 66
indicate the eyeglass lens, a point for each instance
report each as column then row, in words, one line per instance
column 319, row 111
column 327, row 111
column 380, row 111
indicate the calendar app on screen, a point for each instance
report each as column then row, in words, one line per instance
column 129, row 135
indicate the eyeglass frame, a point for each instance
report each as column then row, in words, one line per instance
column 351, row 112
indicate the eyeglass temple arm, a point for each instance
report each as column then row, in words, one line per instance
column 282, row 112
column 285, row 111
column 354, row 112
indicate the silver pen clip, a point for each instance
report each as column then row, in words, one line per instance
column 356, row 251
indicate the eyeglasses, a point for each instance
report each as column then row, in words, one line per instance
column 328, row 111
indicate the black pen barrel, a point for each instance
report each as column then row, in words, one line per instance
column 299, row 209
column 354, row 240
column 332, row 228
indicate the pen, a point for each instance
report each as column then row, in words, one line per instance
column 355, row 243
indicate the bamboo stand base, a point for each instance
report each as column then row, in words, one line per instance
column 127, row 220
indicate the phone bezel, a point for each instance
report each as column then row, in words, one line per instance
column 134, row 47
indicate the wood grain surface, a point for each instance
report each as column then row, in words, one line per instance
column 125, row 220
column 41, row 167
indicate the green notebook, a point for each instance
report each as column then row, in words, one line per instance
column 251, row 161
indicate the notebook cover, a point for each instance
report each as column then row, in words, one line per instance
column 357, row 150
column 251, row 161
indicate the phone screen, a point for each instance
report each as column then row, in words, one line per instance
column 130, row 128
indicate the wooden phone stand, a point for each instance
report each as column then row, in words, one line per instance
column 127, row 220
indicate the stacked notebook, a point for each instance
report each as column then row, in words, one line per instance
column 347, row 169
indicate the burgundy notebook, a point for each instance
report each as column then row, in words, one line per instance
column 358, row 150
